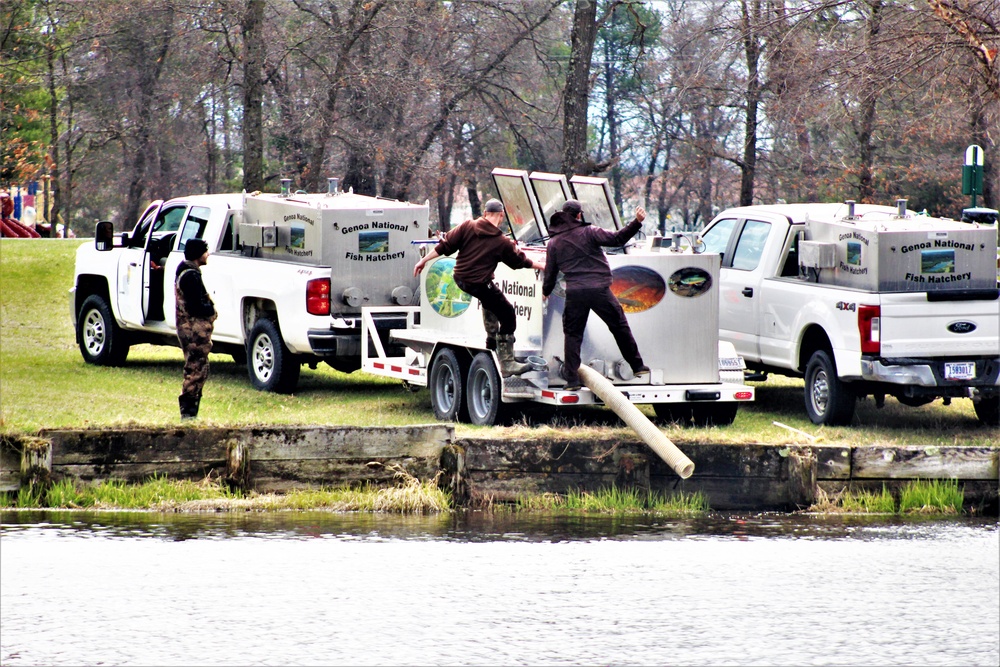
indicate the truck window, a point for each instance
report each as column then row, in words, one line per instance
column 194, row 226
column 170, row 219
column 142, row 229
column 227, row 237
column 751, row 245
column 790, row 267
column 717, row 238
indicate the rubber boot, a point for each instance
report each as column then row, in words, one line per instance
column 505, row 352
column 492, row 326
column 188, row 405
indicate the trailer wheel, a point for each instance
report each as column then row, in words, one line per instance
column 484, row 391
column 828, row 400
column 714, row 414
column 447, row 395
column 988, row 410
column 102, row 341
column 270, row 365
column 673, row 413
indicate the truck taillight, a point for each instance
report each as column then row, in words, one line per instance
column 318, row 296
column 869, row 324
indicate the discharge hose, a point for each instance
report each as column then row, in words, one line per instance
column 639, row 423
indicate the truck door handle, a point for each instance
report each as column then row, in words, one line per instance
column 747, row 291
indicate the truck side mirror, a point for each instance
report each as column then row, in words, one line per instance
column 104, row 235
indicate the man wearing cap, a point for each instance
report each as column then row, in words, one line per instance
column 575, row 248
column 481, row 245
column 195, row 317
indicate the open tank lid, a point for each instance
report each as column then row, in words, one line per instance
column 530, row 200
column 598, row 202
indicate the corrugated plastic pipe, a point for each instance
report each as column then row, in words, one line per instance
column 639, row 423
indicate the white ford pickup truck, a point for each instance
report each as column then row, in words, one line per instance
column 862, row 300
column 289, row 275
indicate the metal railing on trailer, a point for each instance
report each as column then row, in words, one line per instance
column 411, row 367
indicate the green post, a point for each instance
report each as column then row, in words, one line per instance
column 972, row 173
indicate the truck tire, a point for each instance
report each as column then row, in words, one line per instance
column 988, row 410
column 447, row 391
column 714, row 414
column 484, row 391
column 102, row 341
column 828, row 400
column 270, row 365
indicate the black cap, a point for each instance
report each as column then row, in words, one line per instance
column 573, row 207
column 194, row 249
column 494, row 206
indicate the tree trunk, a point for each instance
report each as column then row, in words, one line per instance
column 611, row 117
column 136, row 163
column 576, row 94
column 253, row 95
column 751, row 49
column 53, row 131
column 864, row 127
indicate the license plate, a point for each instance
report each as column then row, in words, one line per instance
column 965, row 370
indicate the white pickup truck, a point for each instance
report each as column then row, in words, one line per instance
column 862, row 300
column 289, row 275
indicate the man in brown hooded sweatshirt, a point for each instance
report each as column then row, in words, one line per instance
column 481, row 246
column 576, row 249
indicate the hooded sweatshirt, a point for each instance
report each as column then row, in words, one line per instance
column 575, row 249
column 481, row 247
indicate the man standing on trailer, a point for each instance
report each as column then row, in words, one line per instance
column 481, row 245
column 195, row 321
column 575, row 248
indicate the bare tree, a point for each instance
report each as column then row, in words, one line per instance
column 252, row 25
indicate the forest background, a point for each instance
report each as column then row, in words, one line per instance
column 688, row 106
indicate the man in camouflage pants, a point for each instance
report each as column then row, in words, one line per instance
column 195, row 317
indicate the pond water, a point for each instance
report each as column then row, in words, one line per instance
column 88, row 588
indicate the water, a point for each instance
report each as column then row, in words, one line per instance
column 324, row 589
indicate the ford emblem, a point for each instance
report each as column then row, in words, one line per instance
column 961, row 327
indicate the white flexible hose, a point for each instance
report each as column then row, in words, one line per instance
column 639, row 423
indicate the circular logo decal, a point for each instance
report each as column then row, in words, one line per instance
column 690, row 281
column 961, row 327
column 637, row 288
column 441, row 291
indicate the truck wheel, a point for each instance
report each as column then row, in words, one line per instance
column 102, row 341
column 447, row 397
column 673, row 413
column 828, row 400
column 714, row 414
column 484, row 391
column 988, row 410
column 272, row 367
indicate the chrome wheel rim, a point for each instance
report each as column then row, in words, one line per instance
column 263, row 358
column 94, row 332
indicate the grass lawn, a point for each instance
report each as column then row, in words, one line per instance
column 44, row 383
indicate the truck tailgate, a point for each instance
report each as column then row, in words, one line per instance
column 912, row 326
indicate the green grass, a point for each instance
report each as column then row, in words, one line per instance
column 408, row 496
column 869, row 502
column 931, row 497
column 44, row 383
column 916, row 497
column 116, row 494
column 617, row 502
